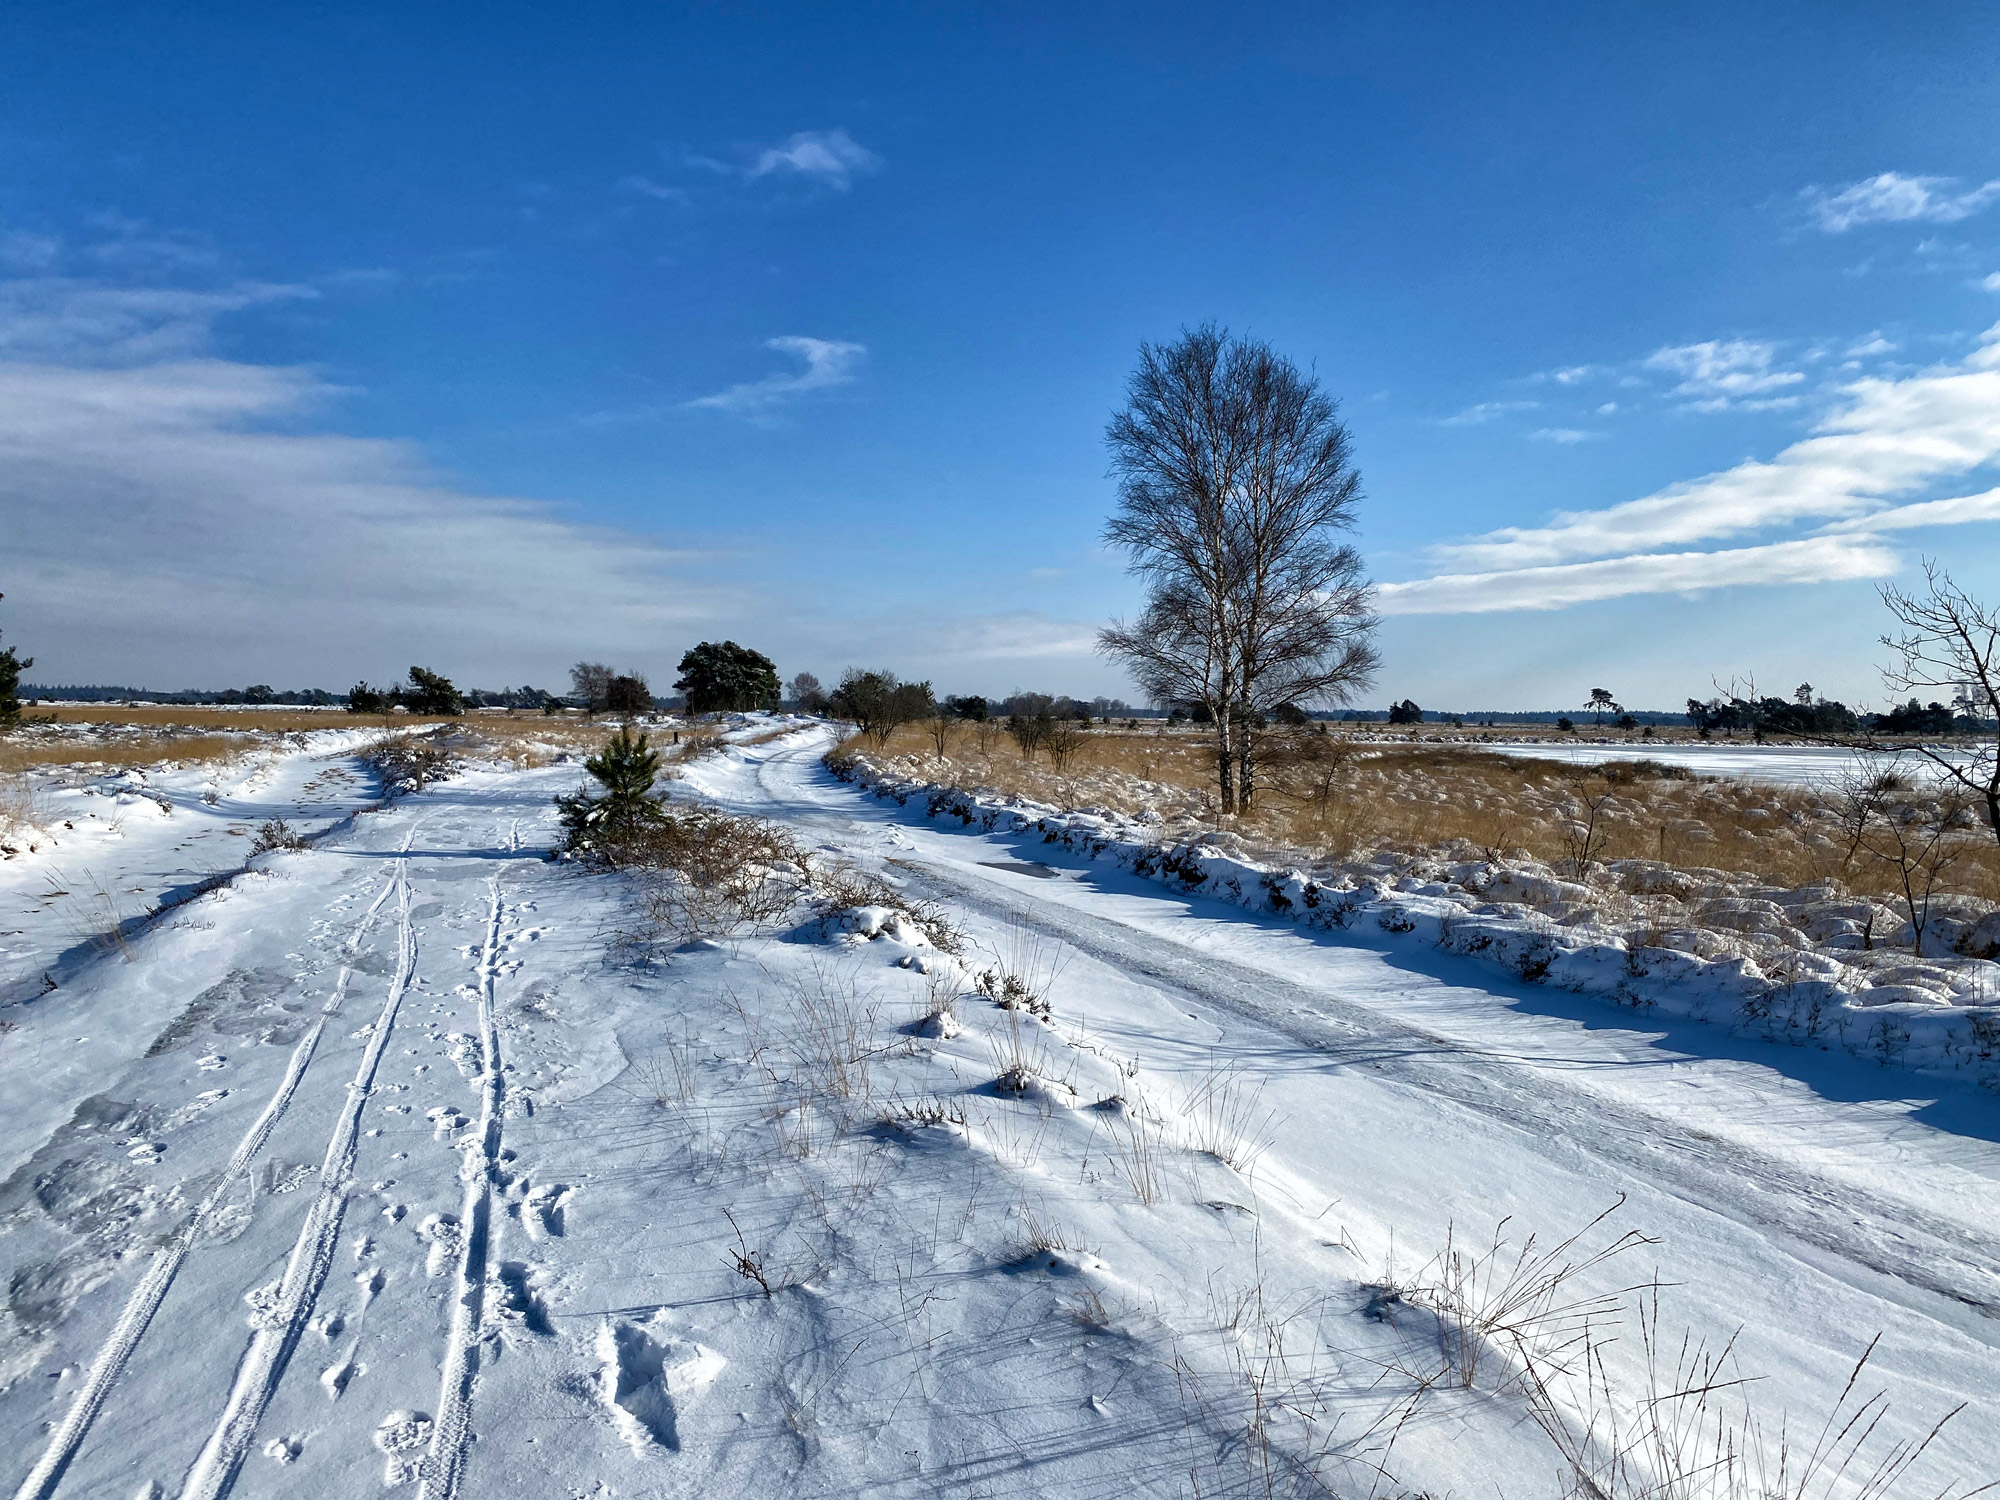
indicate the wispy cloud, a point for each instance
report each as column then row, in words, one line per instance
column 1811, row 560
column 229, row 540
column 831, row 157
column 828, row 362
column 1564, row 435
column 90, row 322
column 1486, row 411
column 1956, row 511
column 1722, row 373
column 647, row 188
column 1892, row 437
column 1892, row 198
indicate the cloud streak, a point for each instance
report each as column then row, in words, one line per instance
column 1892, row 198
column 1893, row 437
column 832, row 158
column 1825, row 559
column 828, row 363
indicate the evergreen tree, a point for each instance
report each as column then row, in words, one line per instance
column 363, row 699
column 428, row 693
column 723, row 677
column 625, row 768
column 11, row 668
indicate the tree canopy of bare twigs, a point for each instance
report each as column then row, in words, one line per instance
column 1235, row 482
column 1951, row 640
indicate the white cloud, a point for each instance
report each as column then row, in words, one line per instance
column 1872, row 345
column 832, row 157
column 1721, row 373
column 1812, row 560
column 828, row 362
column 1486, row 411
column 21, row 250
column 170, row 523
column 71, row 321
column 1893, row 437
column 1956, row 511
column 1991, row 282
column 1565, row 435
column 646, row 187
column 1892, row 198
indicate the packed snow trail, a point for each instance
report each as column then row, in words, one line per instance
column 1943, row 1262
column 152, row 1290
column 451, row 1438
column 272, row 1344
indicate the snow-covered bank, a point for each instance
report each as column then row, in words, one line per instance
column 1807, row 966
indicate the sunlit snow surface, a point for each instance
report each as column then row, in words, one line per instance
column 1794, row 765
column 481, row 1237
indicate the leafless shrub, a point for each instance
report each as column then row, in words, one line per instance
column 409, row 763
column 1062, row 739
column 1517, row 1300
column 1584, row 829
column 929, row 1110
column 842, row 887
column 747, row 1263
column 943, row 729
column 698, row 743
column 20, row 808
column 276, row 834
column 706, row 873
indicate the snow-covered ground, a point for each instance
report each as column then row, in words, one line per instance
column 1785, row 765
column 388, row 1167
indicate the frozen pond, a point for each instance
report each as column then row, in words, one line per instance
column 1793, row 765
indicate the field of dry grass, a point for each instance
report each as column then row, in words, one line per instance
column 1340, row 799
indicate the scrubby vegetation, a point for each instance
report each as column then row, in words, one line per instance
column 1902, row 841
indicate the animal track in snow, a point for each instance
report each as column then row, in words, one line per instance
column 444, row 1120
column 211, row 1062
column 284, row 1449
column 336, row 1376
column 647, row 1375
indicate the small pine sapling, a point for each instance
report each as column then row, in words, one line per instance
column 11, row 668
column 626, row 768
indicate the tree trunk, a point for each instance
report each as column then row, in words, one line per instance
column 1224, row 759
column 1246, row 766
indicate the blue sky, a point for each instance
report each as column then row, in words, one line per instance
column 334, row 338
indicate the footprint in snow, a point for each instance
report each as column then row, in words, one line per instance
column 648, row 1376
column 211, row 1062
column 284, row 1449
column 443, row 1231
column 402, row 1437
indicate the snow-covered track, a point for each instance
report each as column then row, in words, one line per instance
column 451, row 1438
column 159, row 1278
column 272, row 1345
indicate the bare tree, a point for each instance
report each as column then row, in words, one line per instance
column 591, row 681
column 943, row 728
column 1235, row 477
column 1951, row 640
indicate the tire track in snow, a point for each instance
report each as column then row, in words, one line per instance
column 1838, row 1227
column 271, row 1346
column 159, row 1278
column 451, row 1437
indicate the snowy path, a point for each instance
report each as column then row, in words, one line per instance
column 532, row 1158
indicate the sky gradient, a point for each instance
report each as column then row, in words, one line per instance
column 337, row 339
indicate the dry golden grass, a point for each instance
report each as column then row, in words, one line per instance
column 1383, row 797
column 199, row 717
